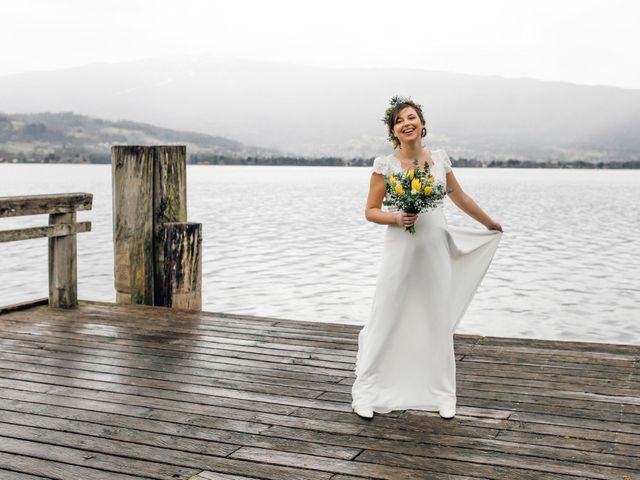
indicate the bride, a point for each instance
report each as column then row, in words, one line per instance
column 405, row 357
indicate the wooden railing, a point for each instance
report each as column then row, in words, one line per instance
column 61, row 231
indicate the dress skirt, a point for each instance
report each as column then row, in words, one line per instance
column 425, row 283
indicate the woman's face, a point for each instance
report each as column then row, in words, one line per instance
column 408, row 126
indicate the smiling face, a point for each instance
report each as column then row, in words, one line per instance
column 408, row 125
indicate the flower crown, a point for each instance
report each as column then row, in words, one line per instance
column 393, row 103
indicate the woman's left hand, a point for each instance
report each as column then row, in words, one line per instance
column 494, row 226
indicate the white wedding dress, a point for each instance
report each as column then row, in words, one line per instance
column 405, row 358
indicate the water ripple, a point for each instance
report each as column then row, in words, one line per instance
column 292, row 242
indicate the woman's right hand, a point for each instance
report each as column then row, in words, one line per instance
column 405, row 219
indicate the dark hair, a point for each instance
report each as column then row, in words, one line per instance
column 396, row 106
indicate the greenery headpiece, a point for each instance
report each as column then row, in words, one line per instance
column 396, row 104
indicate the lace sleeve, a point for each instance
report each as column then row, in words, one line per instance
column 446, row 161
column 379, row 165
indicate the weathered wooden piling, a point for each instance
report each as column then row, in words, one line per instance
column 132, row 182
column 149, row 192
column 181, row 285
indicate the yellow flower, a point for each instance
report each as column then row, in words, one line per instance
column 415, row 184
column 411, row 174
column 393, row 180
column 399, row 189
column 428, row 190
column 431, row 178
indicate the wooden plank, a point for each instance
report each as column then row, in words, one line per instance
column 529, row 470
column 161, row 382
column 532, row 361
column 44, row 204
column 164, row 390
column 224, row 343
column 219, row 413
column 131, row 450
column 273, row 340
column 369, row 470
column 19, row 464
column 13, row 475
column 353, row 330
column 16, row 307
column 193, row 341
column 220, row 476
column 279, row 346
column 176, row 376
column 161, row 429
column 114, row 465
column 268, row 338
column 60, row 230
column 568, row 345
column 199, row 354
column 456, row 446
column 57, row 428
column 69, row 352
column 217, row 418
column 558, row 354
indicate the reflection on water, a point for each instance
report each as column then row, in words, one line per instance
column 292, row 242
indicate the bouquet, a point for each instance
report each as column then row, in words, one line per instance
column 414, row 191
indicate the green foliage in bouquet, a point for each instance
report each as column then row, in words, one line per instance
column 414, row 191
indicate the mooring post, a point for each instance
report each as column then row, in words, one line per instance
column 132, row 182
column 149, row 192
column 169, row 205
column 182, row 282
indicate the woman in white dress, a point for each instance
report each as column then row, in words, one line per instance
column 405, row 356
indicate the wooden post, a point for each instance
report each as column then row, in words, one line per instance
column 149, row 192
column 132, row 182
column 182, row 249
column 63, row 289
column 169, row 205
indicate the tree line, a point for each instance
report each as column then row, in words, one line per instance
column 71, row 155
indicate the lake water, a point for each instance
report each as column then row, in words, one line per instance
column 292, row 242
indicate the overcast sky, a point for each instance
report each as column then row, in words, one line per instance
column 579, row 41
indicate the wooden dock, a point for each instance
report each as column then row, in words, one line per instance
column 109, row 391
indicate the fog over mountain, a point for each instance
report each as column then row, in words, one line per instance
column 324, row 111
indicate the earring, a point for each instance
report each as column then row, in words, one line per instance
column 424, row 132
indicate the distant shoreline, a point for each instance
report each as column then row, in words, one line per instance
column 341, row 162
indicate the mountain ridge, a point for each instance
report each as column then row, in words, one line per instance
column 315, row 111
column 71, row 137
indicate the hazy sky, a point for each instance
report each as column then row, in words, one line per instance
column 580, row 41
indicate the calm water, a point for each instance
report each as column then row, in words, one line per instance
column 292, row 242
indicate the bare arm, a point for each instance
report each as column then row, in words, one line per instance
column 373, row 211
column 465, row 203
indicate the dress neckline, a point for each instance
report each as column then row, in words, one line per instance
column 433, row 157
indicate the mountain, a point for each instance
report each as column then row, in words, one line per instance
column 68, row 137
column 317, row 111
